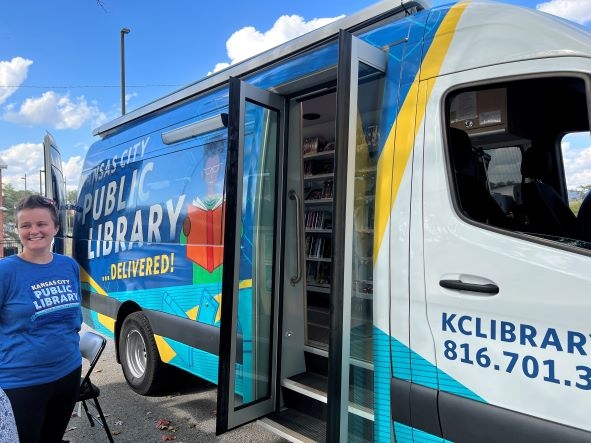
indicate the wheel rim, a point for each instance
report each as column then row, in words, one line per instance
column 136, row 354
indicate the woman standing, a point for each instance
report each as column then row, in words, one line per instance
column 40, row 318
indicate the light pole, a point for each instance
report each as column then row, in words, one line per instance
column 123, row 32
column 25, row 179
column 41, row 171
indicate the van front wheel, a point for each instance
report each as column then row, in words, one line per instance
column 141, row 363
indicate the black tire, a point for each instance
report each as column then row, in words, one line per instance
column 142, row 368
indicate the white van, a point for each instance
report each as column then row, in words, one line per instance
column 364, row 234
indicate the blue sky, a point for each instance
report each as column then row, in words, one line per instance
column 60, row 61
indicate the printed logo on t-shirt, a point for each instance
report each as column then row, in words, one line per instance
column 54, row 295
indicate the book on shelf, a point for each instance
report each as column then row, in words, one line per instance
column 314, row 194
column 327, row 189
column 318, row 273
column 312, row 145
column 317, row 220
column 318, row 247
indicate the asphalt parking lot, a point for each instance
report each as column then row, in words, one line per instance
column 190, row 411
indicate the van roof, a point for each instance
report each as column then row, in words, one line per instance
column 351, row 23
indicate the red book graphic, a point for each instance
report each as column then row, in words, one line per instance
column 204, row 228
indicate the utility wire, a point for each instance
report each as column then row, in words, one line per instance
column 86, row 86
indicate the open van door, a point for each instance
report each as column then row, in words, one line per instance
column 55, row 187
column 247, row 390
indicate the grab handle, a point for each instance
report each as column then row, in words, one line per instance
column 488, row 288
column 296, row 278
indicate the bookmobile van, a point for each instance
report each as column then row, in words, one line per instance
column 362, row 234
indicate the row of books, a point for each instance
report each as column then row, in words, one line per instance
column 318, row 247
column 318, row 220
column 312, row 145
column 369, row 137
column 317, row 193
column 318, row 273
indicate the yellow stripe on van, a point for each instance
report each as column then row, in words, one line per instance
column 245, row 284
column 434, row 59
column 85, row 277
column 106, row 321
column 405, row 127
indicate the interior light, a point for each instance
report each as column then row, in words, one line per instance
column 195, row 129
column 311, row 116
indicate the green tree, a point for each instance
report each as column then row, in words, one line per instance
column 9, row 200
column 583, row 190
column 71, row 196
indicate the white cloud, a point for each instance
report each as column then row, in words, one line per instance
column 220, row 66
column 248, row 41
column 578, row 11
column 54, row 110
column 578, row 169
column 129, row 97
column 26, row 160
column 23, row 160
column 72, row 170
column 576, row 151
column 12, row 75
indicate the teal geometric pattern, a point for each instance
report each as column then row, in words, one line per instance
column 410, row 366
column 406, row 434
column 382, row 379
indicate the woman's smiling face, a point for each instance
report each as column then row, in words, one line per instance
column 36, row 229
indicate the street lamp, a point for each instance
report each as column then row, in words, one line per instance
column 25, row 179
column 123, row 32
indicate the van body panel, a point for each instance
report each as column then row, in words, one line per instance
column 489, row 34
column 538, row 284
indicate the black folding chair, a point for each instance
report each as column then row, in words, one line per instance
column 91, row 348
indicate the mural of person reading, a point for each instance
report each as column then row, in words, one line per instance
column 204, row 225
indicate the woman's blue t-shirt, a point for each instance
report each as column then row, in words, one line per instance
column 40, row 318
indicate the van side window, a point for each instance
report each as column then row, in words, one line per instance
column 520, row 157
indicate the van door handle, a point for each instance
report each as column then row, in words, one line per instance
column 488, row 288
column 299, row 226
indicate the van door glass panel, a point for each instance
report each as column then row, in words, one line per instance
column 366, row 157
column 512, row 164
column 256, row 253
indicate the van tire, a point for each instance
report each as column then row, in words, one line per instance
column 140, row 360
